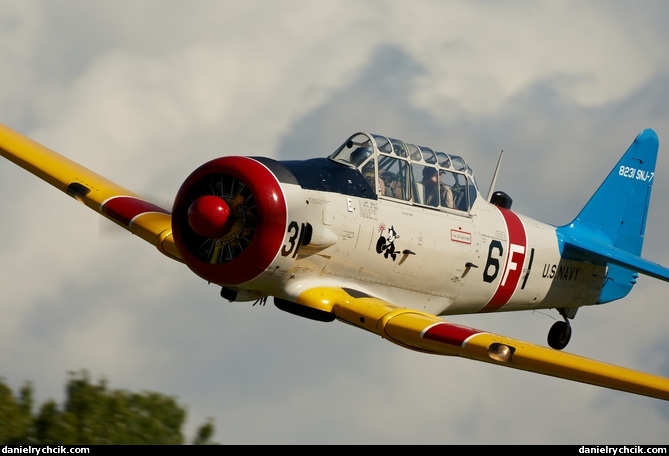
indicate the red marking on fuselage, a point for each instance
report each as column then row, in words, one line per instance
column 516, row 250
column 449, row 333
column 124, row 209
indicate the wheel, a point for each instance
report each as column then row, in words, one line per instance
column 559, row 335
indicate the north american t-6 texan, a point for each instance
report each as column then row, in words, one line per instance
column 390, row 236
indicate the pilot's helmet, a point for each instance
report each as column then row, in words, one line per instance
column 360, row 155
column 428, row 173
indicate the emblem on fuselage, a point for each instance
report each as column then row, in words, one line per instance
column 386, row 244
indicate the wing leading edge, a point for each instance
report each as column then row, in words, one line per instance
column 140, row 217
column 429, row 334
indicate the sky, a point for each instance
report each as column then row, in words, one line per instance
column 145, row 92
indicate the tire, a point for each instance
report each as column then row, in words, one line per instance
column 559, row 335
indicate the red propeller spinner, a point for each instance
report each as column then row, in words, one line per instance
column 229, row 220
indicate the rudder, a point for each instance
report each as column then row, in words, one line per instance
column 616, row 214
column 619, row 207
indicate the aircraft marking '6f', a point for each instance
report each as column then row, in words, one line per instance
column 388, row 236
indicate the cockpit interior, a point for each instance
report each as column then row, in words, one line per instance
column 410, row 173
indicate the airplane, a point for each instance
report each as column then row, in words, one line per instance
column 389, row 237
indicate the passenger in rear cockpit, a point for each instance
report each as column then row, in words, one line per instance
column 435, row 190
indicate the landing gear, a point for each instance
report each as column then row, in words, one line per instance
column 560, row 333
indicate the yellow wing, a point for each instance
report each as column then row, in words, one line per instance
column 140, row 217
column 427, row 333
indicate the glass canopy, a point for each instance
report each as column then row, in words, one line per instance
column 407, row 172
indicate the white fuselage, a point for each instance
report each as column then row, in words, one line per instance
column 440, row 261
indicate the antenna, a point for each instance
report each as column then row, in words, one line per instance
column 494, row 176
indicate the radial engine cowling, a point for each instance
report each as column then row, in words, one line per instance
column 229, row 220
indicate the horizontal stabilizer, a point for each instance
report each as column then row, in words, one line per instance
column 599, row 252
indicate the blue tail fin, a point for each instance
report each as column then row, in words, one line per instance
column 610, row 228
column 618, row 209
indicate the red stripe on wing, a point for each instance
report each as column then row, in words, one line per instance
column 124, row 209
column 449, row 333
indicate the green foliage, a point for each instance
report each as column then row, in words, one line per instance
column 92, row 415
column 15, row 416
column 204, row 434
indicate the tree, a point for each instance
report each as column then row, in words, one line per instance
column 94, row 414
column 15, row 413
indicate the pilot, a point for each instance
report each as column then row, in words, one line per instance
column 360, row 155
column 434, row 189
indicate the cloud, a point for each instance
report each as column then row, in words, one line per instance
column 145, row 92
